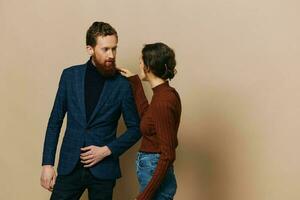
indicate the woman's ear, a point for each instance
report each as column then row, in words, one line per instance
column 90, row 50
column 146, row 69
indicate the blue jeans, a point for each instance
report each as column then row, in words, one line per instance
column 145, row 166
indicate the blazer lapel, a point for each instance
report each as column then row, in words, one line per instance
column 108, row 86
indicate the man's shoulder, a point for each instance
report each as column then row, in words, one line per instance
column 121, row 78
column 123, row 82
column 75, row 67
column 73, row 70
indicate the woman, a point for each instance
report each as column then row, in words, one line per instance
column 159, row 122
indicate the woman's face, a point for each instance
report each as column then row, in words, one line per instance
column 143, row 73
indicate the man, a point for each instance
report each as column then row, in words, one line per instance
column 93, row 95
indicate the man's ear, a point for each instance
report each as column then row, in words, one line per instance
column 90, row 50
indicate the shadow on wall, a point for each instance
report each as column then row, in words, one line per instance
column 214, row 149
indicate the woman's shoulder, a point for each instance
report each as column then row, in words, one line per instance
column 168, row 95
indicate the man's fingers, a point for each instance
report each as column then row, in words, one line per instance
column 86, row 148
column 41, row 182
column 88, row 153
column 48, row 174
column 87, row 157
column 45, row 183
column 87, row 161
column 89, row 165
column 91, row 162
column 44, row 186
column 53, row 182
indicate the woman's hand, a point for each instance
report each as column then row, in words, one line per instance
column 125, row 72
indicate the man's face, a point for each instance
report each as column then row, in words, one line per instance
column 104, row 54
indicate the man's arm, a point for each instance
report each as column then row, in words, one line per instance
column 132, row 121
column 52, row 134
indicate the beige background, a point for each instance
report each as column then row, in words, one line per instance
column 238, row 76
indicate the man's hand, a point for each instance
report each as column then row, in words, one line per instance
column 48, row 177
column 92, row 155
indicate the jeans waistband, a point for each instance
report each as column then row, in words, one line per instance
column 144, row 152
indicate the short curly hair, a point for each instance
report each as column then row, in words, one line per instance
column 99, row 29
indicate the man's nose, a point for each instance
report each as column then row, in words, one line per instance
column 111, row 54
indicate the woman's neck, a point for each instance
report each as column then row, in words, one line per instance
column 155, row 81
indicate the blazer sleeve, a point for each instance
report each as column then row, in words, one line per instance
column 55, row 122
column 132, row 121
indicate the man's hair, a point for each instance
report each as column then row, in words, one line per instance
column 99, row 29
column 160, row 60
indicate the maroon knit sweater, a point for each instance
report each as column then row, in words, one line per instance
column 159, row 125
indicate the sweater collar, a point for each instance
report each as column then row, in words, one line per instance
column 160, row 87
column 90, row 65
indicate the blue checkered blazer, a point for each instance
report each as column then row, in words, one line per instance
column 116, row 99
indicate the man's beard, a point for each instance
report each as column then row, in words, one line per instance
column 107, row 69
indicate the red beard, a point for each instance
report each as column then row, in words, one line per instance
column 108, row 69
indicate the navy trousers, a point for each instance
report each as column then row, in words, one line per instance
column 73, row 185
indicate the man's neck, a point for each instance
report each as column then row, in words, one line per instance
column 93, row 62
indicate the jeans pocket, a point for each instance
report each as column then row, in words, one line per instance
column 147, row 162
column 145, row 167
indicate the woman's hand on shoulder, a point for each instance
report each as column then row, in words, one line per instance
column 125, row 72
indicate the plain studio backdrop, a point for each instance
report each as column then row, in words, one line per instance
column 238, row 77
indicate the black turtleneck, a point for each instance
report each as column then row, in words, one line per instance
column 94, row 83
